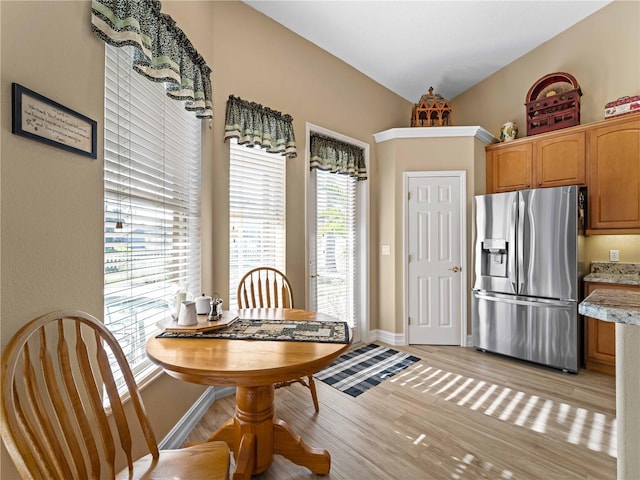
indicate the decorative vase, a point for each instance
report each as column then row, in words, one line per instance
column 508, row 132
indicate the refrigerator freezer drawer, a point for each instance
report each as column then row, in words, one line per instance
column 541, row 331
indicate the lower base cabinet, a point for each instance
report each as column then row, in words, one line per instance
column 600, row 337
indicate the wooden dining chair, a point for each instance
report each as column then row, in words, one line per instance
column 267, row 287
column 56, row 424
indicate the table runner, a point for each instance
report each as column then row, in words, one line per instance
column 278, row 330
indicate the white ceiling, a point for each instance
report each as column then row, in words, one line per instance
column 408, row 46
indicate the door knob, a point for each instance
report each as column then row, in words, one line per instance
column 456, row 269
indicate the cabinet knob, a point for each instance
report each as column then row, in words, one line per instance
column 539, row 183
column 527, row 185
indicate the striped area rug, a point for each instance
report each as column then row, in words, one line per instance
column 357, row 371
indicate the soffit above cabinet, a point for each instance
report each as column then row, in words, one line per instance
column 435, row 132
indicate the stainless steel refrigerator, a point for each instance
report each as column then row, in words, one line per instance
column 528, row 271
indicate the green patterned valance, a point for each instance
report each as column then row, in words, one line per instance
column 163, row 53
column 332, row 155
column 252, row 124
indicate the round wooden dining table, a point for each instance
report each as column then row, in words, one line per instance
column 254, row 434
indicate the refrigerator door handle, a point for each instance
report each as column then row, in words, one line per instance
column 538, row 302
column 513, row 245
column 521, row 245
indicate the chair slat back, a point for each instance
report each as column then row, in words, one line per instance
column 265, row 287
column 53, row 418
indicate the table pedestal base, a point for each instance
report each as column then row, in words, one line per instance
column 255, row 435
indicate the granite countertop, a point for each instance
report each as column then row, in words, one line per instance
column 614, row 272
column 620, row 278
column 619, row 306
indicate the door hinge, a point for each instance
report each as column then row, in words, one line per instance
column 408, row 195
column 409, row 320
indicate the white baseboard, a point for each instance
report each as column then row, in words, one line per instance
column 398, row 339
column 175, row 438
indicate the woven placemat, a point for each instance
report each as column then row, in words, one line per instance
column 276, row 330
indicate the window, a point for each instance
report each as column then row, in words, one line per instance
column 338, row 226
column 151, row 205
column 335, row 245
column 256, row 212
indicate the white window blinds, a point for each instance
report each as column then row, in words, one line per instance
column 257, row 212
column 334, row 252
column 151, row 204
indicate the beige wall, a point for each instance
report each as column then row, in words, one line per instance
column 396, row 157
column 258, row 60
column 51, row 217
column 602, row 53
column 598, row 246
column 51, row 201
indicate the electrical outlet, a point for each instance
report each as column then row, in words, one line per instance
column 614, row 255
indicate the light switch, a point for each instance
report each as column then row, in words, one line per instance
column 386, row 249
column 614, row 255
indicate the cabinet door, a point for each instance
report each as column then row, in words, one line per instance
column 560, row 161
column 509, row 168
column 600, row 340
column 600, row 337
column 614, row 175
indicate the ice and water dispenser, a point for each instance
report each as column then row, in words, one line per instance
column 494, row 258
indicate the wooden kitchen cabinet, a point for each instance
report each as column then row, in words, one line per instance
column 509, row 169
column 603, row 155
column 546, row 160
column 614, row 176
column 600, row 337
column 560, row 160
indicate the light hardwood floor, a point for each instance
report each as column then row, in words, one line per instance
column 457, row 414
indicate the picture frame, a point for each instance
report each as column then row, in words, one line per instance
column 44, row 120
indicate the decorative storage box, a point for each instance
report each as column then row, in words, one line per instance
column 553, row 102
column 621, row 106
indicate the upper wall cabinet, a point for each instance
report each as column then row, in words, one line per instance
column 509, row 168
column 546, row 160
column 559, row 160
column 604, row 155
column 614, row 175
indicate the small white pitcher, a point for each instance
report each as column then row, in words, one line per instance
column 188, row 314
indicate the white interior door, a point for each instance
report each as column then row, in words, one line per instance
column 435, row 261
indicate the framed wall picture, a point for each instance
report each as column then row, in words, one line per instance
column 40, row 118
